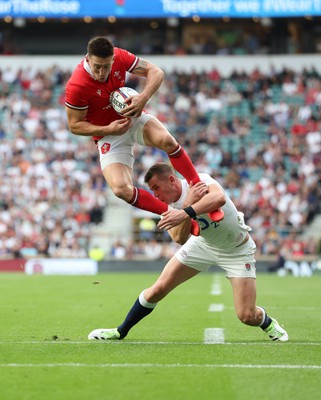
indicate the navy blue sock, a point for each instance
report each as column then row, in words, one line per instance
column 267, row 321
column 136, row 313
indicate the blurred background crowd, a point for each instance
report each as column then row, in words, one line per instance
column 157, row 36
column 258, row 134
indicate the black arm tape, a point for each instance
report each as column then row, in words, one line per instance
column 190, row 212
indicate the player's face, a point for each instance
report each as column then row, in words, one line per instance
column 164, row 189
column 100, row 67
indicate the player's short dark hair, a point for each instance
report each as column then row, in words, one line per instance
column 100, row 46
column 159, row 169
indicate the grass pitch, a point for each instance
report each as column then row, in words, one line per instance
column 45, row 354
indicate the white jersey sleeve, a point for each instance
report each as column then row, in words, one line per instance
column 229, row 232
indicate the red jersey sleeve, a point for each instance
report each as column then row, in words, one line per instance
column 126, row 58
column 76, row 96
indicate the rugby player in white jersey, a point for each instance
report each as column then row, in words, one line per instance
column 227, row 244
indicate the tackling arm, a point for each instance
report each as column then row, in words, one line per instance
column 213, row 199
column 181, row 232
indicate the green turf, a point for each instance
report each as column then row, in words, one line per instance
column 44, row 352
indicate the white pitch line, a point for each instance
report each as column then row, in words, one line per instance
column 216, row 289
column 216, row 307
column 214, row 336
column 127, row 342
column 147, row 365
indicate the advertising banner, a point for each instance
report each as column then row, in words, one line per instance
column 159, row 8
column 61, row 266
column 14, row 265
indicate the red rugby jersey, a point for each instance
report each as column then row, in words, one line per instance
column 83, row 92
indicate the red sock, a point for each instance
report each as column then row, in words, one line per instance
column 144, row 200
column 183, row 164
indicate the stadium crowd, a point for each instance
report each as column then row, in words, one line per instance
column 258, row 134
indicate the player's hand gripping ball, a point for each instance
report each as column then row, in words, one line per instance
column 118, row 97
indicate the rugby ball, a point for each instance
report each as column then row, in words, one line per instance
column 118, row 97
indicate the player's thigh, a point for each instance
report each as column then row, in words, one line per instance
column 244, row 292
column 156, row 135
column 118, row 175
column 172, row 276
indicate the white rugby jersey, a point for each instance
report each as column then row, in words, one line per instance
column 228, row 233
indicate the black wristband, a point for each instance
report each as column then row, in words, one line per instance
column 190, row 212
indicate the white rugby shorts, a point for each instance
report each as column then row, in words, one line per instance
column 238, row 262
column 119, row 149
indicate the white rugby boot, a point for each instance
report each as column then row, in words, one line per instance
column 276, row 332
column 104, row 334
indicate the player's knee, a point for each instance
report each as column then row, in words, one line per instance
column 123, row 192
column 167, row 143
column 170, row 144
column 246, row 316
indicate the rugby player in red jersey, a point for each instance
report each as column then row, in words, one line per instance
column 90, row 113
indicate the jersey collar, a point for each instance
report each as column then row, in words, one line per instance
column 87, row 67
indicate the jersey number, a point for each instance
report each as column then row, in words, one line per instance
column 204, row 224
